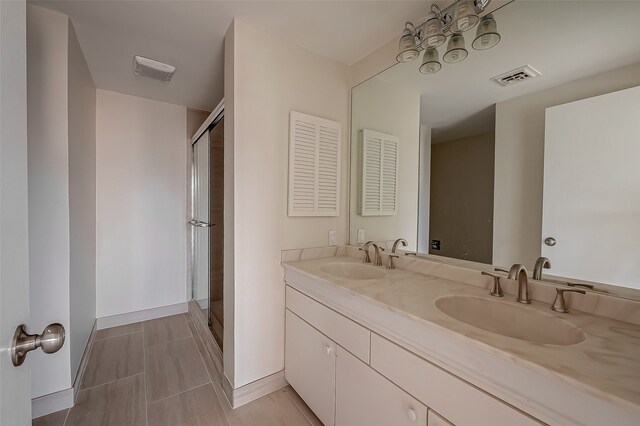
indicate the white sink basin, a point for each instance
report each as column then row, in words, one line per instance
column 511, row 320
column 352, row 271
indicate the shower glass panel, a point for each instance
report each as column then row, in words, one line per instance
column 200, row 229
column 207, row 230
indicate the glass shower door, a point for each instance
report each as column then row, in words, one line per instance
column 200, row 223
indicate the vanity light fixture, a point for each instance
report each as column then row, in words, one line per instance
column 451, row 22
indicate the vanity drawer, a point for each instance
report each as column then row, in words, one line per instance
column 348, row 334
column 458, row 401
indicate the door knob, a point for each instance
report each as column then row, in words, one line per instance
column 51, row 340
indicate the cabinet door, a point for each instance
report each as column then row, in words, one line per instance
column 365, row 398
column 310, row 367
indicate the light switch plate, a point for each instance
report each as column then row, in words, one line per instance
column 332, row 237
column 360, row 235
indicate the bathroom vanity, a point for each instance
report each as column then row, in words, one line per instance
column 425, row 344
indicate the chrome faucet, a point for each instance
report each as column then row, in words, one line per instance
column 378, row 261
column 541, row 262
column 395, row 244
column 365, row 248
column 519, row 272
column 366, row 258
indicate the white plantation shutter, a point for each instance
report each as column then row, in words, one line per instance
column 379, row 181
column 314, row 166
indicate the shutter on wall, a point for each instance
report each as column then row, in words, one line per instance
column 379, row 185
column 314, row 166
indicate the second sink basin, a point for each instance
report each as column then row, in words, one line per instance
column 518, row 322
column 352, row 271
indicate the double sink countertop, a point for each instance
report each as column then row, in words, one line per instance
column 604, row 367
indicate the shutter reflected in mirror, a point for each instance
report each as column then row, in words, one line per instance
column 315, row 145
column 379, row 179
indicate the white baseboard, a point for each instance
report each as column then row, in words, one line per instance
column 47, row 404
column 253, row 390
column 84, row 361
column 147, row 314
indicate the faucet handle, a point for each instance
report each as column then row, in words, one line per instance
column 501, row 270
column 366, row 258
column 392, row 256
column 589, row 286
column 559, row 304
column 496, row 289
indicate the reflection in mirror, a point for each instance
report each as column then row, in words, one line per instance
column 479, row 162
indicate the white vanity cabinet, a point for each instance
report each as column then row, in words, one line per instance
column 350, row 376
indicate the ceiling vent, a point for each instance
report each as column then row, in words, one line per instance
column 526, row 72
column 146, row 67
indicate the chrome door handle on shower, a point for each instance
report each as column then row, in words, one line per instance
column 200, row 224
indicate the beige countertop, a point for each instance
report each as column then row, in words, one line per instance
column 606, row 363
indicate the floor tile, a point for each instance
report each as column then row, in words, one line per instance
column 275, row 409
column 118, row 331
column 165, row 329
column 113, row 359
column 172, row 368
column 196, row 407
column 302, row 406
column 53, row 419
column 120, row 403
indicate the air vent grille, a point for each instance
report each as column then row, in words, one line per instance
column 524, row 73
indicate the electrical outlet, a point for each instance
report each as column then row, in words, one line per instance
column 332, row 237
column 360, row 235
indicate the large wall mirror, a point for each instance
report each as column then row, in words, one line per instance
column 466, row 168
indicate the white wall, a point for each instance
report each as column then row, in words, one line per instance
column 82, row 201
column 266, row 78
column 517, row 230
column 140, row 204
column 384, row 107
column 48, row 166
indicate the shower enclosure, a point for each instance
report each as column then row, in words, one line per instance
column 207, row 238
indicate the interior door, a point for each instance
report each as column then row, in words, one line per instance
column 200, row 222
column 591, row 199
column 15, row 382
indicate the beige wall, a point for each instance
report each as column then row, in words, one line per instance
column 384, row 107
column 61, row 156
column 265, row 79
column 140, row 203
column 47, row 79
column 462, row 198
column 517, row 231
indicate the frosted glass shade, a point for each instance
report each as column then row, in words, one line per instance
column 487, row 35
column 407, row 49
column 456, row 52
column 433, row 33
column 430, row 63
column 464, row 16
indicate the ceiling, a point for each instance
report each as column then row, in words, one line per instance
column 564, row 40
column 190, row 35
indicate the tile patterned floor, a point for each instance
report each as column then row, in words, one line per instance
column 153, row 374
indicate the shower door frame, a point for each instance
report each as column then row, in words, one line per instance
column 212, row 120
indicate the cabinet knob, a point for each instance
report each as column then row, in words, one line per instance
column 328, row 349
column 411, row 414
